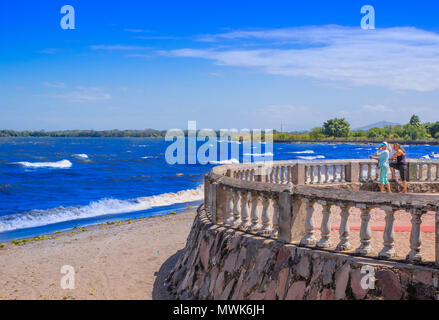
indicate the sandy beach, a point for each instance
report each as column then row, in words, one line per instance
column 126, row 260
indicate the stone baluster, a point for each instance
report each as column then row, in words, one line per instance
column 334, row 171
column 319, row 174
column 290, row 174
column 275, row 204
column 228, row 218
column 365, row 232
column 236, row 211
column 265, row 216
column 326, row 174
column 342, row 173
column 325, row 229
column 420, row 171
column 388, row 250
column 245, row 220
column 305, row 167
column 415, row 236
column 429, row 172
column 271, row 174
column 282, row 174
column 309, row 239
column 369, row 171
column 254, row 214
column 437, row 172
column 344, row 244
column 311, row 174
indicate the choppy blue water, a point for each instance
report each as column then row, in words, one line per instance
column 49, row 184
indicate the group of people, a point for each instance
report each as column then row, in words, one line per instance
column 395, row 162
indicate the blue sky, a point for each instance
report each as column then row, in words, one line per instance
column 227, row 64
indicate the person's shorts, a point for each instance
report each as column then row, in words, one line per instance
column 402, row 168
column 384, row 170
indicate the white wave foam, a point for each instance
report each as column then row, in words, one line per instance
column 304, row 152
column 80, row 156
column 58, row 164
column 268, row 154
column 35, row 218
column 310, row 157
column 231, row 161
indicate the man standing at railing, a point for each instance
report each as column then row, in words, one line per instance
column 383, row 156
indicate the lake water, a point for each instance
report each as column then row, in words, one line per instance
column 50, row 184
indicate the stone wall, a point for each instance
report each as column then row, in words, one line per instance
column 222, row 263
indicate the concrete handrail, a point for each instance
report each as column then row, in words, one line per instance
column 277, row 200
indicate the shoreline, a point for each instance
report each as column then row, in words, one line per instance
column 312, row 141
column 368, row 142
column 125, row 260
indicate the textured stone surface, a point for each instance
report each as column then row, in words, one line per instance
column 341, row 281
column 389, row 283
column 357, row 290
column 229, row 265
column 303, row 267
column 425, row 277
column 327, row 294
column 220, row 263
column 262, row 259
column 281, row 286
column 270, row 294
column 313, row 293
column 281, row 259
column 226, row 293
column 219, row 284
column 328, row 271
column 296, row 291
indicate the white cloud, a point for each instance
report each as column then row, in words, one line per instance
column 137, row 30
column 402, row 58
column 377, row 108
column 54, row 84
column 117, row 47
column 82, row 94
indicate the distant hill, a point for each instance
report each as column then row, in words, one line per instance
column 380, row 124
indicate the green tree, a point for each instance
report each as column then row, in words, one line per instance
column 358, row 134
column 317, row 133
column 336, row 128
column 415, row 132
column 376, row 133
column 415, row 121
column 434, row 129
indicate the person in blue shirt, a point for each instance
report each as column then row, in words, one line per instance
column 383, row 156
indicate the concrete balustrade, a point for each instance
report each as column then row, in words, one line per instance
column 281, row 201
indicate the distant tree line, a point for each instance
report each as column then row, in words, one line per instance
column 147, row 133
column 340, row 128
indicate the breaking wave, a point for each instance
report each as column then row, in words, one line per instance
column 231, row 161
column 304, row 152
column 80, row 156
column 268, row 154
column 58, row 164
column 310, row 157
column 36, row 218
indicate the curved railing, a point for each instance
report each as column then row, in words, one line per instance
column 279, row 200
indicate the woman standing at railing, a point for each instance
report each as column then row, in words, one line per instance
column 383, row 156
column 400, row 164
